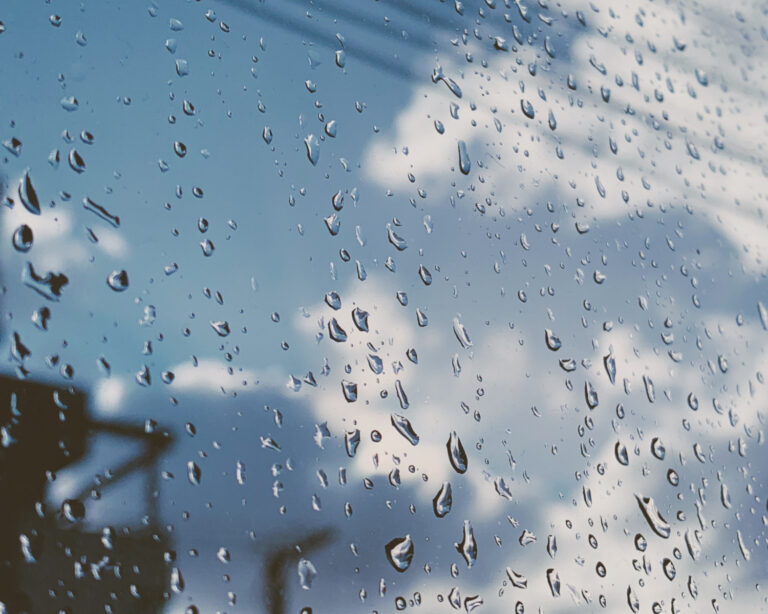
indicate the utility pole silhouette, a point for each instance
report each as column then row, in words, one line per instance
column 282, row 559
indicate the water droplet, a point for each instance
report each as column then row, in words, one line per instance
column 443, row 500
column 351, row 442
column 269, row 444
column 650, row 391
column 400, row 552
column 591, row 395
column 517, row 580
column 669, row 569
column 551, row 546
column 621, row 453
column 437, row 75
column 336, row 332
column 464, row 162
column 553, row 579
column 350, row 390
column 653, row 516
column 763, row 313
column 461, row 334
column 403, row 426
column 307, row 573
column 527, row 108
column 657, row 448
column 182, row 67
column 69, row 103
column 401, row 396
column 208, row 248
column 360, row 318
column 610, row 367
column 333, row 300
column 105, row 215
column 333, row 223
column 399, row 243
column 73, row 510
column 502, row 488
column 28, row 195
column 425, row 275
column 221, row 327
column 313, row 148
column 118, row 280
column 468, row 546
column 13, row 145
column 194, row 474
column 49, row 285
column 456, row 453
column 22, row 238
column 632, row 600
column 553, row 341
column 177, row 581
column 672, row 477
column 76, row 161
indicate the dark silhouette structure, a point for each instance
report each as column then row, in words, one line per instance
column 48, row 563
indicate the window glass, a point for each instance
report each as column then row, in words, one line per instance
column 378, row 306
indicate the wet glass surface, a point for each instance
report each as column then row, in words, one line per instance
column 378, row 306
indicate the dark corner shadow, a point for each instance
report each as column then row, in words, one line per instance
column 48, row 561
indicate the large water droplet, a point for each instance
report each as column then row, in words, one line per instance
column 400, row 552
